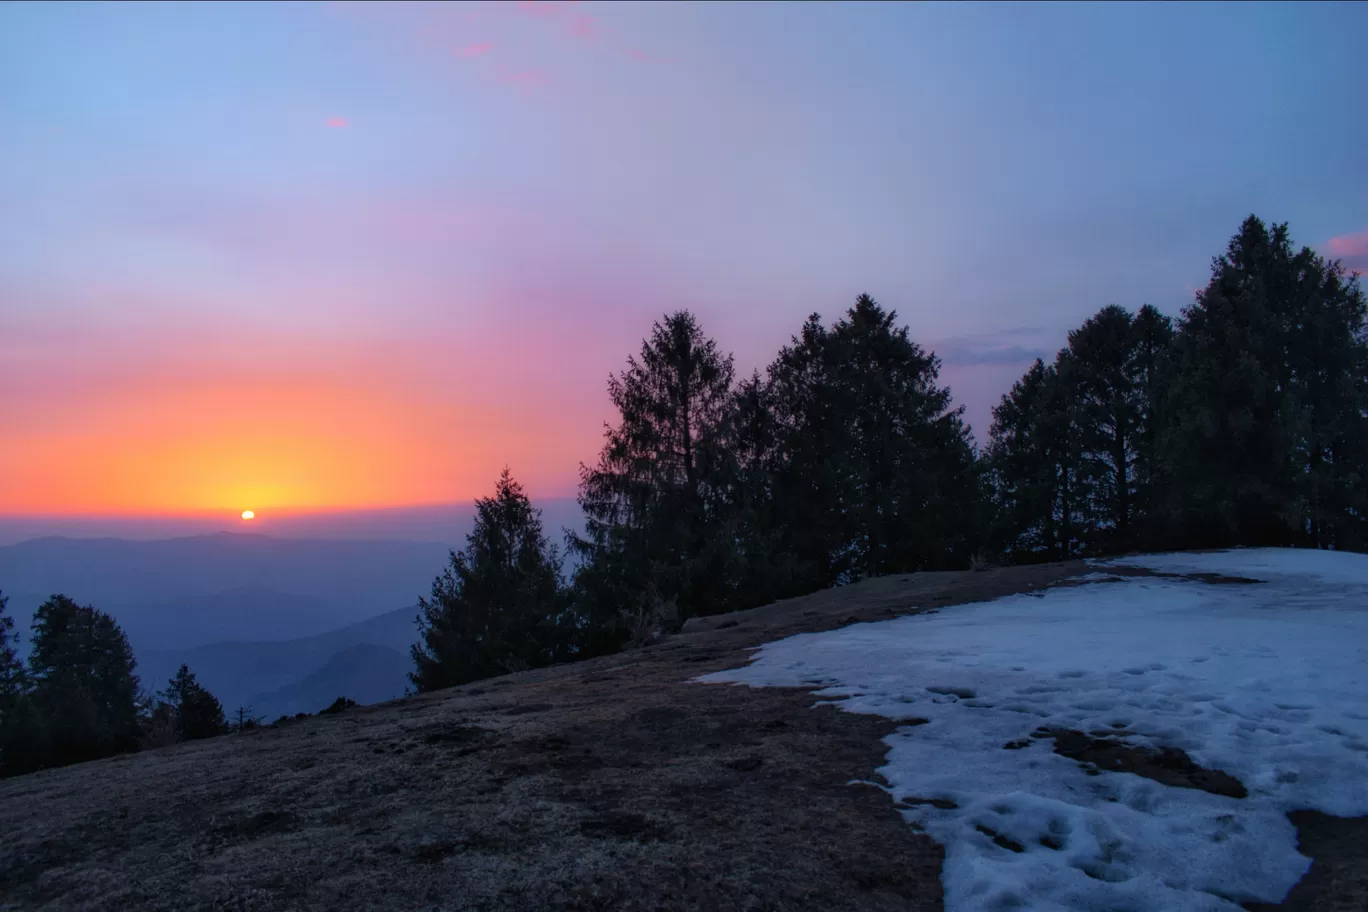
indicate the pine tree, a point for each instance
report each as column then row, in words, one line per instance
column 1073, row 491
column 655, row 502
column 811, row 474
column 1036, row 467
column 1328, row 353
column 1020, row 468
column 1263, row 436
column 80, row 670
column 763, row 566
column 876, row 472
column 498, row 607
column 1109, row 418
column 1152, row 346
column 11, row 669
column 1072, row 452
column 197, row 712
column 1115, row 360
column 18, row 722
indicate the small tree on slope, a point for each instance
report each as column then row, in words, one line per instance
column 497, row 606
column 197, row 712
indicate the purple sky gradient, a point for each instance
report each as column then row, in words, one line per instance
column 361, row 255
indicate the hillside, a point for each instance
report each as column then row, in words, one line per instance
column 624, row 783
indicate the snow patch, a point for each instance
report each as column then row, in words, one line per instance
column 1266, row 682
column 1276, row 564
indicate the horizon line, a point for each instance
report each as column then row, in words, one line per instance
column 261, row 513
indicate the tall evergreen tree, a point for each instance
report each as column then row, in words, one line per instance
column 1036, row 468
column 197, row 712
column 499, row 605
column 1263, row 434
column 80, row 670
column 1115, row 359
column 11, row 669
column 655, row 502
column 1109, row 418
column 1152, row 341
column 1073, row 491
column 1072, row 452
column 1328, row 352
column 1020, row 467
column 18, row 722
column 810, row 484
column 876, row 472
column 763, row 566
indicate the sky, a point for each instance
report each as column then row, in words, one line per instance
column 322, row 256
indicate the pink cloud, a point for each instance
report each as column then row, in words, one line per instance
column 1349, row 245
column 337, row 122
column 475, row 49
column 1351, row 250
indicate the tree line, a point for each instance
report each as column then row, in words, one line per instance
column 1243, row 422
column 844, row 459
column 77, row 697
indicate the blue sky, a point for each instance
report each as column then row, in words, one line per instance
column 420, row 236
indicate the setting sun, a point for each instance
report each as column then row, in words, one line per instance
column 248, row 514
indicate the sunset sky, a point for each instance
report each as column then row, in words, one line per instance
column 325, row 255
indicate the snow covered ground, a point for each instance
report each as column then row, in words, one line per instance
column 1266, row 682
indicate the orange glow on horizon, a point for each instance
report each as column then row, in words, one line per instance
column 192, row 416
column 163, row 448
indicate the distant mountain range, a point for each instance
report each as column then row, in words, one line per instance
column 184, row 592
column 280, row 625
column 365, row 672
column 275, row 624
column 368, row 662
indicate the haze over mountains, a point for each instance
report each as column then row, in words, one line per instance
column 275, row 623
column 448, row 523
column 368, row 662
column 187, row 592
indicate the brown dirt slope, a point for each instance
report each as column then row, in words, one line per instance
column 609, row 784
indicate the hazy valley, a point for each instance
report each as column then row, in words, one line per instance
column 275, row 625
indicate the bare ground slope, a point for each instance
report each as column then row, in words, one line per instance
column 609, row 784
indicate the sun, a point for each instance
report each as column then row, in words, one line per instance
column 248, row 514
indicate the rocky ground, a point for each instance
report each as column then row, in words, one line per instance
column 610, row 784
